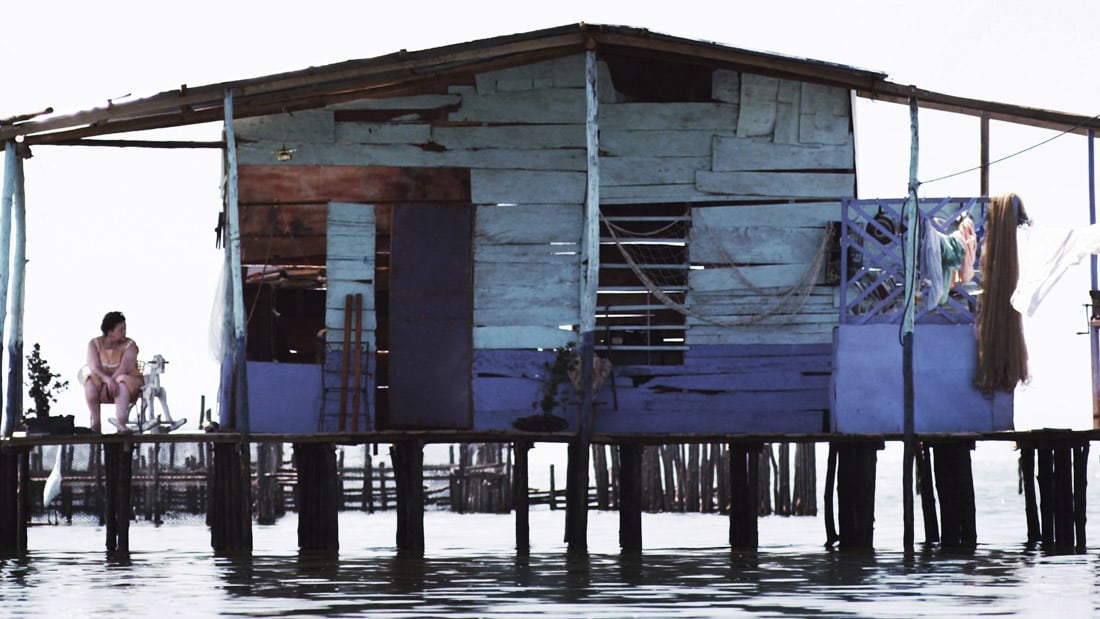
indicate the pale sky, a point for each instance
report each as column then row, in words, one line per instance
column 133, row 229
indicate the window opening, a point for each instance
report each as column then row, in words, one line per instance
column 643, row 275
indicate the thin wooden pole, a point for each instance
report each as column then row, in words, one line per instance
column 983, row 188
column 911, row 234
column 577, row 473
column 1094, row 334
column 18, row 285
column 10, row 165
column 240, row 372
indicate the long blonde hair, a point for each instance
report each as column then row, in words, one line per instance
column 1002, row 352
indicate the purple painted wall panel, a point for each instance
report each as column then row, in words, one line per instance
column 283, row 397
column 729, row 389
column 868, row 382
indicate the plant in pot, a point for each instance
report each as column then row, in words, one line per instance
column 43, row 387
column 553, row 396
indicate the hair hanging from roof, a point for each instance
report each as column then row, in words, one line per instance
column 1002, row 353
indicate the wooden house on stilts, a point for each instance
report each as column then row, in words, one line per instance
column 582, row 234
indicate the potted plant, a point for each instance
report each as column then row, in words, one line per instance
column 553, row 394
column 43, row 385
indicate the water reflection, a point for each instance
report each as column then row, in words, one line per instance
column 477, row 573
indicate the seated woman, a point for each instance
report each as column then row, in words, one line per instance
column 112, row 375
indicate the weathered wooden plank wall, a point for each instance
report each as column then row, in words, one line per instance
column 349, row 269
column 786, row 146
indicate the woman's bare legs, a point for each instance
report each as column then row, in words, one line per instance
column 122, row 405
column 91, row 396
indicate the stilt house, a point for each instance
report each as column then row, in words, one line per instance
column 448, row 240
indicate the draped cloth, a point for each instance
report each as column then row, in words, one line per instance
column 1045, row 256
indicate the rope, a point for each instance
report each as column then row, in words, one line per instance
column 799, row 292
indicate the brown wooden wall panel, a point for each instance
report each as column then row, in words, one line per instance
column 283, row 208
column 366, row 184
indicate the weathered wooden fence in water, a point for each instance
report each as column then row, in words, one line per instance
column 172, row 479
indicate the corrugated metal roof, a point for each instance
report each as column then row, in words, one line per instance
column 419, row 71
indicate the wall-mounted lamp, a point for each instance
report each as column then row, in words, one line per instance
column 284, row 153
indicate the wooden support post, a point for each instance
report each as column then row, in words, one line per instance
column 1063, row 497
column 368, row 481
column 1045, row 476
column 955, row 487
column 927, row 494
column 521, row 499
column 1080, row 485
column 1031, row 509
column 118, row 459
column 13, row 521
column 856, row 467
column 805, row 479
column 267, row 484
column 318, row 497
column 831, row 536
column 576, row 496
column 744, row 495
column 783, row 481
column 230, row 500
column 553, row 490
column 11, row 165
column 630, row 497
column 408, row 469
column 603, row 485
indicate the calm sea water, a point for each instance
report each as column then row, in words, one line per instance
column 470, row 569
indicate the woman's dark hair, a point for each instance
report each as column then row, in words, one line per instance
column 110, row 321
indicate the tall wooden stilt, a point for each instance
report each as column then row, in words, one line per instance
column 1031, row 509
column 13, row 523
column 1063, row 497
column 1045, row 475
column 408, row 470
column 1080, row 485
column 576, row 496
column 630, row 497
column 267, row 484
column 927, row 494
column 831, row 537
column 857, row 463
column 521, row 499
column 318, row 497
column 230, row 498
column 745, row 495
column 955, row 487
column 118, row 460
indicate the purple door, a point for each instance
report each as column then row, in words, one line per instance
column 430, row 316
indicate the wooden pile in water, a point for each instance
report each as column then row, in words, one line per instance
column 172, row 479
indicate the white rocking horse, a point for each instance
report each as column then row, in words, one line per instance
column 151, row 392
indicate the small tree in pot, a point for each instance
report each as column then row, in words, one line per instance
column 43, row 386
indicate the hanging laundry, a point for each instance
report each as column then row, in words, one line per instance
column 968, row 237
column 942, row 257
column 1046, row 255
